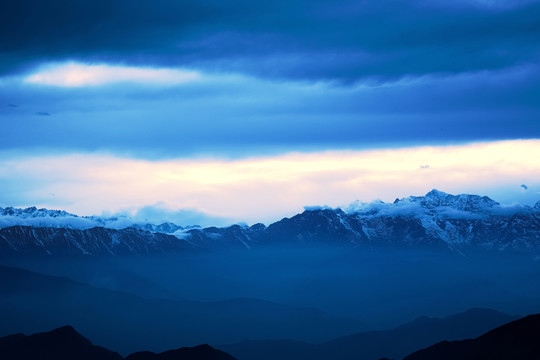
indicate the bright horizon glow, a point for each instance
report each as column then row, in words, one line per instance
column 268, row 188
column 72, row 74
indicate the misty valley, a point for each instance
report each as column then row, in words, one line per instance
column 384, row 280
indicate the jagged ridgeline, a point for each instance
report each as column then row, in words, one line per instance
column 437, row 220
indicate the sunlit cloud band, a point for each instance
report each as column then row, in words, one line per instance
column 267, row 188
column 73, row 74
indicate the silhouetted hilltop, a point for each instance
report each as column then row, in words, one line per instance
column 60, row 344
column 65, row 343
column 519, row 339
column 201, row 352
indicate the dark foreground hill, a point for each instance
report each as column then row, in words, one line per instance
column 65, row 343
column 60, row 344
column 519, row 339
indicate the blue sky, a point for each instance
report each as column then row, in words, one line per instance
column 105, row 92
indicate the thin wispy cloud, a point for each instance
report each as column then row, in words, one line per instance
column 76, row 75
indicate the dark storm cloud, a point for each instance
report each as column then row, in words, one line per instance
column 346, row 40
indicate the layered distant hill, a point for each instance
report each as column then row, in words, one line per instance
column 437, row 220
column 370, row 345
column 515, row 340
column 32, row 302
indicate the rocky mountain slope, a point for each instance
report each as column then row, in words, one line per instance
column 39, row 241
column 436, row 220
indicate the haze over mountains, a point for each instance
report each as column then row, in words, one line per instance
column 127, row 323
column 32, row 302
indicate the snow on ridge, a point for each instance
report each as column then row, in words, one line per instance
column 318, row 208
column 34, row 217
column 435, row 202
column 59, row 222
column 466, row 202
column 33, row 212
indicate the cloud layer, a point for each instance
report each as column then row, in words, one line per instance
column 233, row 115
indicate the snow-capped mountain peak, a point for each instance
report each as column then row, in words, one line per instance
column 35, row 217
column 33, row 212
column 463, row 202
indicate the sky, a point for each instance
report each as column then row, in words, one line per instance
column 216, row 112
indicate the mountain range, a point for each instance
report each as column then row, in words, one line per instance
column 459, row 223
